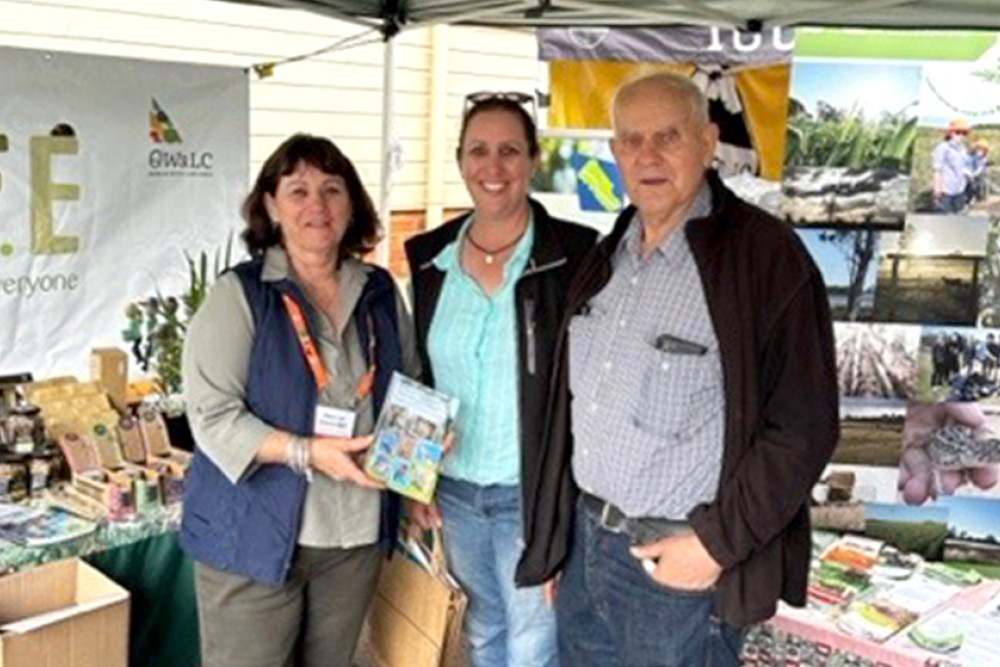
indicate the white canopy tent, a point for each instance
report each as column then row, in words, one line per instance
column 390, row 17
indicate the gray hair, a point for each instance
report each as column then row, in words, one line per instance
column 669, row 83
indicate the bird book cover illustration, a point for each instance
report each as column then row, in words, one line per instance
column 409, row 438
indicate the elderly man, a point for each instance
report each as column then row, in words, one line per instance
column 700, row 401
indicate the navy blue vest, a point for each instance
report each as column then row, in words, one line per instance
column 251, row 528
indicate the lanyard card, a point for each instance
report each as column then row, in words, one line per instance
column 334, row 422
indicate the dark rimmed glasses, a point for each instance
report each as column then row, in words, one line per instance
column 525, row 100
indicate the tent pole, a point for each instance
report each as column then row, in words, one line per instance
column 436, row 129
column 388, row 150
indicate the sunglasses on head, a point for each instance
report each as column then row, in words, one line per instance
column 524, row 100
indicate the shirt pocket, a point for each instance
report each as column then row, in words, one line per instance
column 674, row 389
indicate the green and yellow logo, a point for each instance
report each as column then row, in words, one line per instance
column 161, row 128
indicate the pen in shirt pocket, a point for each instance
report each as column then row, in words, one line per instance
column 673, row 345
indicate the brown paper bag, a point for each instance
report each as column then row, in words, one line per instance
column 416, row 616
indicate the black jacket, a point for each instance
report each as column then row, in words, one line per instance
column 769, row 307
column 540, row 298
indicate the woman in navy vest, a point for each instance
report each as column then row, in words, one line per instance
column 285, row 367
column 489, row 290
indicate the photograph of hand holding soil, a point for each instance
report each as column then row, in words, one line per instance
column 950, row 449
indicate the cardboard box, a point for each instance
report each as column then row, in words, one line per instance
column 65, row 613
column 45, row 386
column 109, row 367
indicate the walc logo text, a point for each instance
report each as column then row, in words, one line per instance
column 184, row 162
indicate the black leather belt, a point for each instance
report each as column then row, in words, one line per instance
column 641, row 530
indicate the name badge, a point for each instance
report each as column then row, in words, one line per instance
column 334, row 422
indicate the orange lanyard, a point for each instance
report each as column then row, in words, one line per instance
column 367, row 381
column 321, row 375
column 306, row 341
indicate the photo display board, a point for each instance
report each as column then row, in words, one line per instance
column 889, row 183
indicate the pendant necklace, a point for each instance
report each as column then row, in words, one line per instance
column 489, row 256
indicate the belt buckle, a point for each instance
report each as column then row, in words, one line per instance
column 606, row 522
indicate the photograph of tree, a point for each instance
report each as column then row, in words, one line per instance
column 931, row 271
column 876, row 364
column 848, row 260
column 849, row 143
column 877, row 371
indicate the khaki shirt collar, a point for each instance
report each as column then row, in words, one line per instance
column 352, row 274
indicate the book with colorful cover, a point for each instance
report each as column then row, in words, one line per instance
column 409, row 438
column 876, row 618
column 858, row 553
column 49, row 527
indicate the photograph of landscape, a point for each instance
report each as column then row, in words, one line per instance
column 848, row 260
column 973, row 529
column 921, row 530
column 931, row 272
column 849, row 143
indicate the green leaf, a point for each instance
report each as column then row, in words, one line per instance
column 856, row 157
column 901, row 141
column 229, row 251
column 794, row 142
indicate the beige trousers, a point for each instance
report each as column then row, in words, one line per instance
column 312, row 621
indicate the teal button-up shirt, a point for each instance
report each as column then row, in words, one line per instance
column 472, row 346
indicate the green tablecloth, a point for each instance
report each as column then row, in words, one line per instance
column 143, row 557
column 163, row 622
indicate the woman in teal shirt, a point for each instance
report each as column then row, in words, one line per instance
column 489, row 290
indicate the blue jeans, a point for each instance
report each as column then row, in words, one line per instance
column 504, row 626
column 612, row 614
column 953, row 203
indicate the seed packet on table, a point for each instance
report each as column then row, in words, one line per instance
column 48, row 527
column 409, row 438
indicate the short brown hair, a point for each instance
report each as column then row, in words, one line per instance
column 363, row 230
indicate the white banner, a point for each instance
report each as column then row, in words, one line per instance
column 110, row 170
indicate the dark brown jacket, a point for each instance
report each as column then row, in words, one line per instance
column 769, row 306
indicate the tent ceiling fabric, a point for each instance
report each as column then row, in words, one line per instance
column 392, row 15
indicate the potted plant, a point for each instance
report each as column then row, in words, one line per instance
column 156, row 329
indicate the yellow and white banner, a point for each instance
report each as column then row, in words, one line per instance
column 110, row 170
